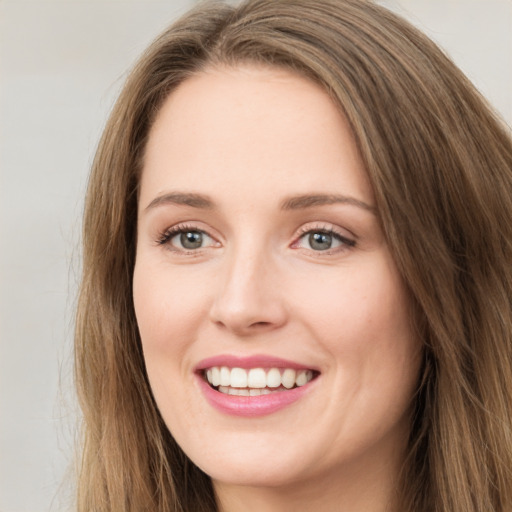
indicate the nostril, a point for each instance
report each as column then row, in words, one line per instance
column 260, row 324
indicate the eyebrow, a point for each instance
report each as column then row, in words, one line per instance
column 292, row 203
column 311, row 200
column 181, row 198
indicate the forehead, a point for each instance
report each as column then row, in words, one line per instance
column 250, row 126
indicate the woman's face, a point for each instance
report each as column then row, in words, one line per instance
column 261, row 266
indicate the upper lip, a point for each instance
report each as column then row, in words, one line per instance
column 248, row 362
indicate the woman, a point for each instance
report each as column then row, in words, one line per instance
column 297, row 287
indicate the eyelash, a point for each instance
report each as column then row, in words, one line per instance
column 346, row 243
column 165, row 238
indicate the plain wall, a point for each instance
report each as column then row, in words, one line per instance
column 62, row 64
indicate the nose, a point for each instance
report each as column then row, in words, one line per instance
column 249, row 297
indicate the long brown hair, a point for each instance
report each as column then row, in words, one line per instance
column 440, row 164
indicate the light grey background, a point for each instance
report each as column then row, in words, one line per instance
column 62, row 64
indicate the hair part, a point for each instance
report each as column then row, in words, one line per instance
column 440, row 164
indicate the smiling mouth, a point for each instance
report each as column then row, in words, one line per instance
column 256, row 381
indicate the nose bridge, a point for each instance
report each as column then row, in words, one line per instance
column 246, row 299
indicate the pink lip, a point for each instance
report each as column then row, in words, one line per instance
column 250, row 406
column 256, row 361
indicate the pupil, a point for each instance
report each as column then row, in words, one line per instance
column 320, row 241
column 191, row 240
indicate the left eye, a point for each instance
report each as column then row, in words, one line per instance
column 323, row 240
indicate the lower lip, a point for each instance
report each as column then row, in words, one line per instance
column 250, row 406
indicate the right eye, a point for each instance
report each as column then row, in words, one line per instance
column 183, row 238
column 189, row 239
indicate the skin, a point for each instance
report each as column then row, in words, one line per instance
column 249, row 138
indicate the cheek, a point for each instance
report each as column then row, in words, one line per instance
column 366, row 302
column 362, row 318
column 169, row 310
column 169, row 307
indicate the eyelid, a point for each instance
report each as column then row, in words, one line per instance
column 347, row 239
column 164, row 237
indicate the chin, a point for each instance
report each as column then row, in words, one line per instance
column 253, row 474
column 259, row 459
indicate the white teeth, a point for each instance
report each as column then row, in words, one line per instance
column 215, row 376
column 225, row 376
column 256, row 381
column 303, row 377
column 257, row 378
column 288, row 378
column 274, row 378
column 238, row 378
column 245, row 392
